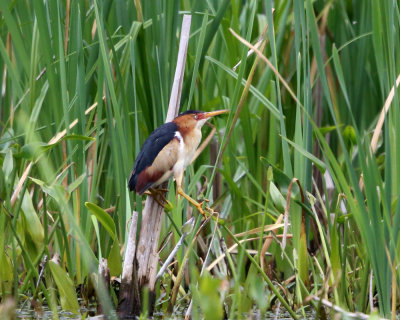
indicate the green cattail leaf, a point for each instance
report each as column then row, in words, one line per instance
column 115, row 260
column 66, row 288
column 103, row 217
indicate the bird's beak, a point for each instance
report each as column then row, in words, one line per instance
column 208, row 115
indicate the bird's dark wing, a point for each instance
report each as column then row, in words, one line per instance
column 157, row 140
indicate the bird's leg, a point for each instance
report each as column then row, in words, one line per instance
column 180, row 191
column 191, row 200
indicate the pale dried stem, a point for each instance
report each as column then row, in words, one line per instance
column 94, row 28
column 356, row 315
column 256, row 45
column 242, row 99
column 175, row 99
column 379, row 125
column 104, row 278
column 249, row 53
column 268, row 227
column 127, row 278
column 146, row 253
column 278, row 308
column 188, row 227
column 139, row 10
column 234, row 246
column 286, row 215
column 268, row 241
column 371, row 291
column 130, row 250
column 274, row 70
column 385, row 109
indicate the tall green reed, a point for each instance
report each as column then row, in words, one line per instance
column 105, row 78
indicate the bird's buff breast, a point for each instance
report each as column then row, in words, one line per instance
column 187, row 148
column 185, row 152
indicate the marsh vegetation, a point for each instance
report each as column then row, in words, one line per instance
column 303, row 175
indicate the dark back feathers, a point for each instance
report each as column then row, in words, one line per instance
column 156, row 141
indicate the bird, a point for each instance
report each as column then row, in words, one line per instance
column 168, row 151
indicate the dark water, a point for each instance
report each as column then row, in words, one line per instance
column 26, row 313
column 45, row 314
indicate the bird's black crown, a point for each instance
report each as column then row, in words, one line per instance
column 190, row 112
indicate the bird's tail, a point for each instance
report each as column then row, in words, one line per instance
column 132, row 181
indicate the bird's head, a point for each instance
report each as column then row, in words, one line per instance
column 193, row 119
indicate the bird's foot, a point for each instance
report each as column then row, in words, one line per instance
column 155, row 198
column 198, row 205
column 159, row 196
column 206, row 211
column 210, row 212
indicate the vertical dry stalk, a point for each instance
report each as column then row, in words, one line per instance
column 146, row 252
column 104, row 276
column 217, row 183
column 129, row 286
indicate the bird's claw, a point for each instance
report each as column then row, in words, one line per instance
column 210, row 210
column 156, row 199
column 157, row 195
column 207, row 208
column 199, row 207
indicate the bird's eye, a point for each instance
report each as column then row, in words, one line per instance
column 195, row 116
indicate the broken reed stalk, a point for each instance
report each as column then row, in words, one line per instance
column 104, row 277
column 145, row 264
column 129, row 287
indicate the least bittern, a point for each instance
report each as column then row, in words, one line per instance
column 168, row 151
